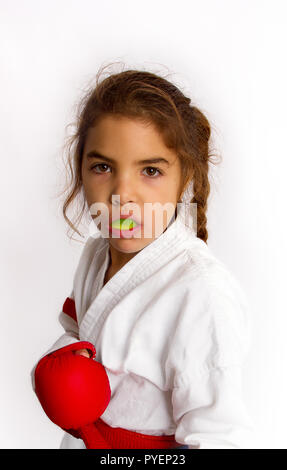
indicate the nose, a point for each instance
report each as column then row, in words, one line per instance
column 123, row 191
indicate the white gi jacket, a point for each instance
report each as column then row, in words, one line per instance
column 172, row 329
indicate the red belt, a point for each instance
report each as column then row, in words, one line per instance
column 119, row 438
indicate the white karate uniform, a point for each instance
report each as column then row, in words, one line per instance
column 172, row 328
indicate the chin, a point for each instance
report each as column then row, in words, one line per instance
column 128, row 245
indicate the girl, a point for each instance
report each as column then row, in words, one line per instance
column 168, row 320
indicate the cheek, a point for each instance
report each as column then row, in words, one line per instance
column 167, row 193
column 90, row 183
column 91, row 192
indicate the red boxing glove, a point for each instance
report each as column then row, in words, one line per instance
column 74, row 391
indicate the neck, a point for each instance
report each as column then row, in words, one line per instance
column 118, row 259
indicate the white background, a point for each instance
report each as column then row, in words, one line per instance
column 230, row 58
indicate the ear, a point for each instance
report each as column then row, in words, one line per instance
column 184, row 188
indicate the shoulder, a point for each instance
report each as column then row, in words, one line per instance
column 203, row 268
column 90, row 250
column 214, row 323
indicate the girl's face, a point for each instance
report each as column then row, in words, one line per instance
column 125, row 143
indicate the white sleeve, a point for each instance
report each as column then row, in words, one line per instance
column 210, row 412
column 70, row 322
column 209, row 349
column 70, row 336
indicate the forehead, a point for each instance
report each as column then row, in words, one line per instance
column 122, row 124
column 114, row 135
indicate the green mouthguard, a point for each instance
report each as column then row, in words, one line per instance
column 124, row 224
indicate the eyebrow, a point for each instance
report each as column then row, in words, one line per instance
column 95, row 154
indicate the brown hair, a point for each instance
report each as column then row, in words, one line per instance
column 151, row 98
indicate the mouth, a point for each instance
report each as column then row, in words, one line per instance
column 124, row 227
column 124, row 224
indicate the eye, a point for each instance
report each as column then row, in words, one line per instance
column 156, row 169
column 98, row 165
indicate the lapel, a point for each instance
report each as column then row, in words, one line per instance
column 153, row 257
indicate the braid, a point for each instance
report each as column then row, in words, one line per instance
column 201, row 188
column 198, row 133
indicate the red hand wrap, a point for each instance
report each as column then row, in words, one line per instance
column 73, row 390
